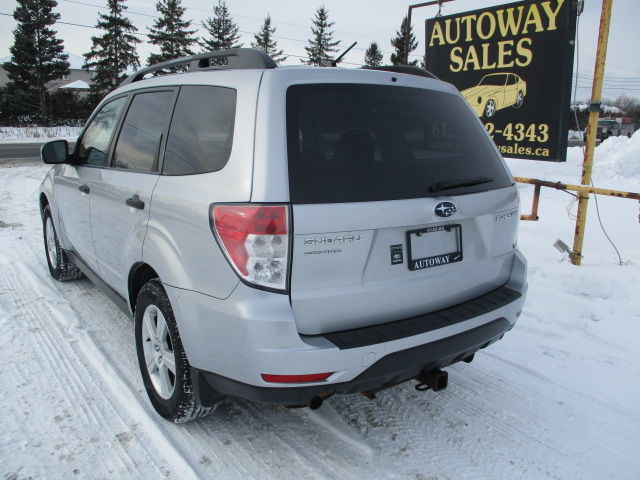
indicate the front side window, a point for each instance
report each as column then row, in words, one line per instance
column 201, row 132
column 92, row 148
column 142, row 130
column 357, row 143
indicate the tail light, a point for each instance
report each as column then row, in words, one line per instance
column 255, row 239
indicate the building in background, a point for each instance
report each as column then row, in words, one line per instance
column 77, row 80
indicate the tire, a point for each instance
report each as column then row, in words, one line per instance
column 170, row 392
column 490, row 109
column 519, row 100
column 59, row 266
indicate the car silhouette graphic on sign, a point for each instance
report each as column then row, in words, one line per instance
column 495, row 92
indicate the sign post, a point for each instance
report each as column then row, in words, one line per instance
column 594, row 111
column 407, row 36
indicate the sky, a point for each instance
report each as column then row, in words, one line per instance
column 356, row 20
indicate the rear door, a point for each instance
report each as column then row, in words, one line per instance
column 121, row 197
column 396, row 196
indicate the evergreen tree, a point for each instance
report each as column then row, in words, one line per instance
column 264, row 41
column 400, row 44
column 114, row 52
column 321, row 46
column 36, row 54
column 222, row 30
column 373, row 56
column 170, row 32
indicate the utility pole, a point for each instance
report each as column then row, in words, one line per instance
column 407, row 37
column 594, row 111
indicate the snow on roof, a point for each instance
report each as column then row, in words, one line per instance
column 75, row 61
column 78, row 84
column 604, row 108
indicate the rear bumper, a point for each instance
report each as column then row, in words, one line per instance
column 231, row 342
column 390, row 370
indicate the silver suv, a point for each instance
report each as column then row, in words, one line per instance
column 284, row 234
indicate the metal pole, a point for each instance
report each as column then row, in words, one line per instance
column 594, row 110
column 407, row 35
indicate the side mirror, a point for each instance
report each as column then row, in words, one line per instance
column 55, row 152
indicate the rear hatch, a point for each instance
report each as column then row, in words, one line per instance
column 401, row 204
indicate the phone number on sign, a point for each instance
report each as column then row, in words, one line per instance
column 519, row 131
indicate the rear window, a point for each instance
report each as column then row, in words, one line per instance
column 357, row 143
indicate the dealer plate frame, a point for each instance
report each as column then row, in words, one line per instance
column 435, row 260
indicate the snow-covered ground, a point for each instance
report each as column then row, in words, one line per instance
column 557, row 398
column 38, row 134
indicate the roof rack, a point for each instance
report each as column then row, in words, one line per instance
column 406, row 69
column 237, row 58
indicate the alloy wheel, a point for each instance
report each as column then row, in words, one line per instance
column 159, row 356
column 52, row 248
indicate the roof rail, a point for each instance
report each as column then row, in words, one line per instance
column 406, row 69
column 236, row 58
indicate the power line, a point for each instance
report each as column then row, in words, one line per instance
column 107, row 8
column 293, row 24
column 415, row 55
column 76, row 24
column 612, row 77
column 145, row 35
column 630, row 82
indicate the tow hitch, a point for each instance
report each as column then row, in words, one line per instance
column 435, row 379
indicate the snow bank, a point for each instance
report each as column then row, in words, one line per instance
column 36, row 134
column 616, row 165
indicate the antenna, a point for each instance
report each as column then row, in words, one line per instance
column 337, row 60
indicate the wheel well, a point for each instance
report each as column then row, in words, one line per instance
column 43, row 202
column 140, row 274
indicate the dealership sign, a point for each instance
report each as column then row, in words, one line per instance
column 513, row 64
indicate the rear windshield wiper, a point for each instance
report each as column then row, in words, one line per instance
column 465, row 182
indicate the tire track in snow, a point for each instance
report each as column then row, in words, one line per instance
column 495, row 420
column 69, row 371
column 249, row 438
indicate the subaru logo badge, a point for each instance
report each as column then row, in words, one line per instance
column 445, row 209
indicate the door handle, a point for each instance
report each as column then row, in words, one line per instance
column 135, row 202
column 84, row 188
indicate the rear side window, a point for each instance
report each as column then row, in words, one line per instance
column 201, row 132
column 142, row 130
column 356, row 143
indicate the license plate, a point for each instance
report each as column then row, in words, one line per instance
column 433, row 246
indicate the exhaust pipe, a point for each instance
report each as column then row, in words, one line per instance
column 435, row 380
column 317, row 401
